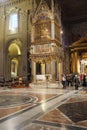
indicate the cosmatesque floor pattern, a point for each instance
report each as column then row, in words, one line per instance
column 43, row 109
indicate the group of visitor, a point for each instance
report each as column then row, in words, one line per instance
column 74, row 80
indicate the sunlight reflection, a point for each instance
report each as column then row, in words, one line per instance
column 10, row 125
column 63, row 128
column 44, row 107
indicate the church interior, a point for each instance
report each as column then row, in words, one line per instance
column 43, row 70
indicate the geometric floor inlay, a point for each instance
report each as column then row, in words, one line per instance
column 40, row 127
column 15, row 100
column 76, row 111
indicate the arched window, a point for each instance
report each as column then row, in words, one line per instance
column 13, row 22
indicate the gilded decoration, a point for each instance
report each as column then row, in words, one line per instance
column 42, row 32
column 42, row 23
column 79, row 45
column 57, row 32
column 43, row 12
column 46, row 55
column 45, row 58
column 46, row 44
column 46, row 48
column 46, row 51
column 78, row 52
column 46, row 41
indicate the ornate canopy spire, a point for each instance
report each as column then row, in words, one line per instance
column 52, row 7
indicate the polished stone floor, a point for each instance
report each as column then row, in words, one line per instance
column 41, row 108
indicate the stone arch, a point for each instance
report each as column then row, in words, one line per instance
column 13, row 58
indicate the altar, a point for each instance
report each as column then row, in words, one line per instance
column 40, row 77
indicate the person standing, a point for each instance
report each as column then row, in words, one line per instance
column 77, row 82
column 64, row 81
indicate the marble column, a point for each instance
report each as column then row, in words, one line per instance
column 57, row 70
column 20, row 66
column 8, row 68
column 60, row 70
column 42, row 68
column 76, row 62
column 73, row 62
column 33, row 64
column 48, row 68
column 52, row 29
column 52, row 21
column 32, row 33
column 53, row 70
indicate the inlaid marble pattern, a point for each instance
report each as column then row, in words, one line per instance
column 72, row 112
column 43, row 109
column 41, row 127
column 76, row 111
column 13, row 102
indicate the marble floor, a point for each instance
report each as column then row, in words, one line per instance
column 41, row 108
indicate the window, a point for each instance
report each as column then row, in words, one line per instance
column 13, row 22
